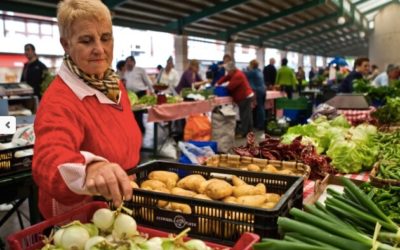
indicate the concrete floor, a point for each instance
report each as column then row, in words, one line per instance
column 12, row 225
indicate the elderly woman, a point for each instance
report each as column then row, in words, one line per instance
column 191, row 78
column 86, row 135
column 256, row 80
column 239, row 88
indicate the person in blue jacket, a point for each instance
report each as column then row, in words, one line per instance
column 256, row 80
column 216, row 70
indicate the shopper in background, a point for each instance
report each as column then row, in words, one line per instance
column 137, row 81
column 374, row 72
column 242, row 94
column 216, row 70
column 256, row 81
column 34, row 70
column 121, row 68
column 361, row 69
column 270, row 74
column 300, row 76
column 169, row 76
column 86, row 135
column 391, row 74
column 286, row 79
column 311, row 74
column 191, row 78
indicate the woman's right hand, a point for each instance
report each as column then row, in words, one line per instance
column 108, row 180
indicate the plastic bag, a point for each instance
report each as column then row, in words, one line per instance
column 198, row 128
column 195, row 154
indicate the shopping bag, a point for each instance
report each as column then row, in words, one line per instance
column 223, row 127
column 197, row 155
column 197, row 128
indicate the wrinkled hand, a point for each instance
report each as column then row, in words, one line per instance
column 109, row 180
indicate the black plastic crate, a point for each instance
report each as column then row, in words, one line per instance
column 214, row 220
column 10, row 164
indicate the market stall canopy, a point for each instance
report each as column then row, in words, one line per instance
column 340, row 61
column 319, row 27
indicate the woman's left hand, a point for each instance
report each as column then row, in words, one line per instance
column 109, row 180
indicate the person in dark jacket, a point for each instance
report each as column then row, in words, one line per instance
column 361, row 68
column 270, row 73
column 33, row 71
column 256, row 81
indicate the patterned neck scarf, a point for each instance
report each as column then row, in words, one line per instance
column 108, row 85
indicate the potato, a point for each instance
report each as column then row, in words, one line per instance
column 253, row 167
column 179, row 207
column 152, row 184
column 244, row 168
column 268, row 205
column 191, row 182
column 203, row 185
column 202, row 196
column 182, row 192
column 252, row 200
column 168, row 178
column 134, row 184
column 218, row 189
column 285, row 171
column 272, row 197
column 229, row 199
column 162, row 203
column 249, row 190
column 236, row 181
column 270, row 169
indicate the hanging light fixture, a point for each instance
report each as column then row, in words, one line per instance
column 341, row 20
column 362, row 34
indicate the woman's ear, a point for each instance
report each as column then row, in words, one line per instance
column 64, row 44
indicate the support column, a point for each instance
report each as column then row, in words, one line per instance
column 283, row 54
column 260, row 54
column 384, row 39
column 300, row 60
column 181, row 53
column 230, row 49
column 324, row 61
column 313, row 61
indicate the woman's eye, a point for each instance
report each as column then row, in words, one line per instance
column 106, row 37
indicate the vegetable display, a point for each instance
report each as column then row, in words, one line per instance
column 114, row 230
column 388, row 113
column 389, row 146
column 349, row 221
column 352, row 149
column 196, row 186
column 272, row 149
column 387, row 199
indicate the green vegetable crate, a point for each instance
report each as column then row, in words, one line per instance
column 214, row 220
column 381, row 182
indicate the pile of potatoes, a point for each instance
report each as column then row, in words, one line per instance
column 196, row 186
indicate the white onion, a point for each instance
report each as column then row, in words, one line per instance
column 196, row 245
column 152, row 244
column 57, row 237
column 93, row 241
column 74, row 238
column 125, row 225
column 103, row 218
column 110, row 238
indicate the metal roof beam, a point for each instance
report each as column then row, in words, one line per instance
column 307, row 36
column 360, row 2
column 295, row 9
column 113, row 3
column 215, row 9
column 267, row 36
column 27, row 8
column 379, row 7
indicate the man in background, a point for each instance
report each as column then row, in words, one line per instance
column 34, row 70
column 361, row 69
column 138, row 82
column 384, row 78
column 270, row 74
column 286, row 78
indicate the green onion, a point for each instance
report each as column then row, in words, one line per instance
column 316, row 233
column 285, row 245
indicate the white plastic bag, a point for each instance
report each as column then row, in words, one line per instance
column 195, row 154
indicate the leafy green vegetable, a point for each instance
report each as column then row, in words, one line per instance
column 133, row 98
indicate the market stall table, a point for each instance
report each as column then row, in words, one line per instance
column 270, row 97
column 176, row 111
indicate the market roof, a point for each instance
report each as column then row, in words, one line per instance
column 320, row 27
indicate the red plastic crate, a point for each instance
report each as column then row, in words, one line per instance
column 30, row 238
